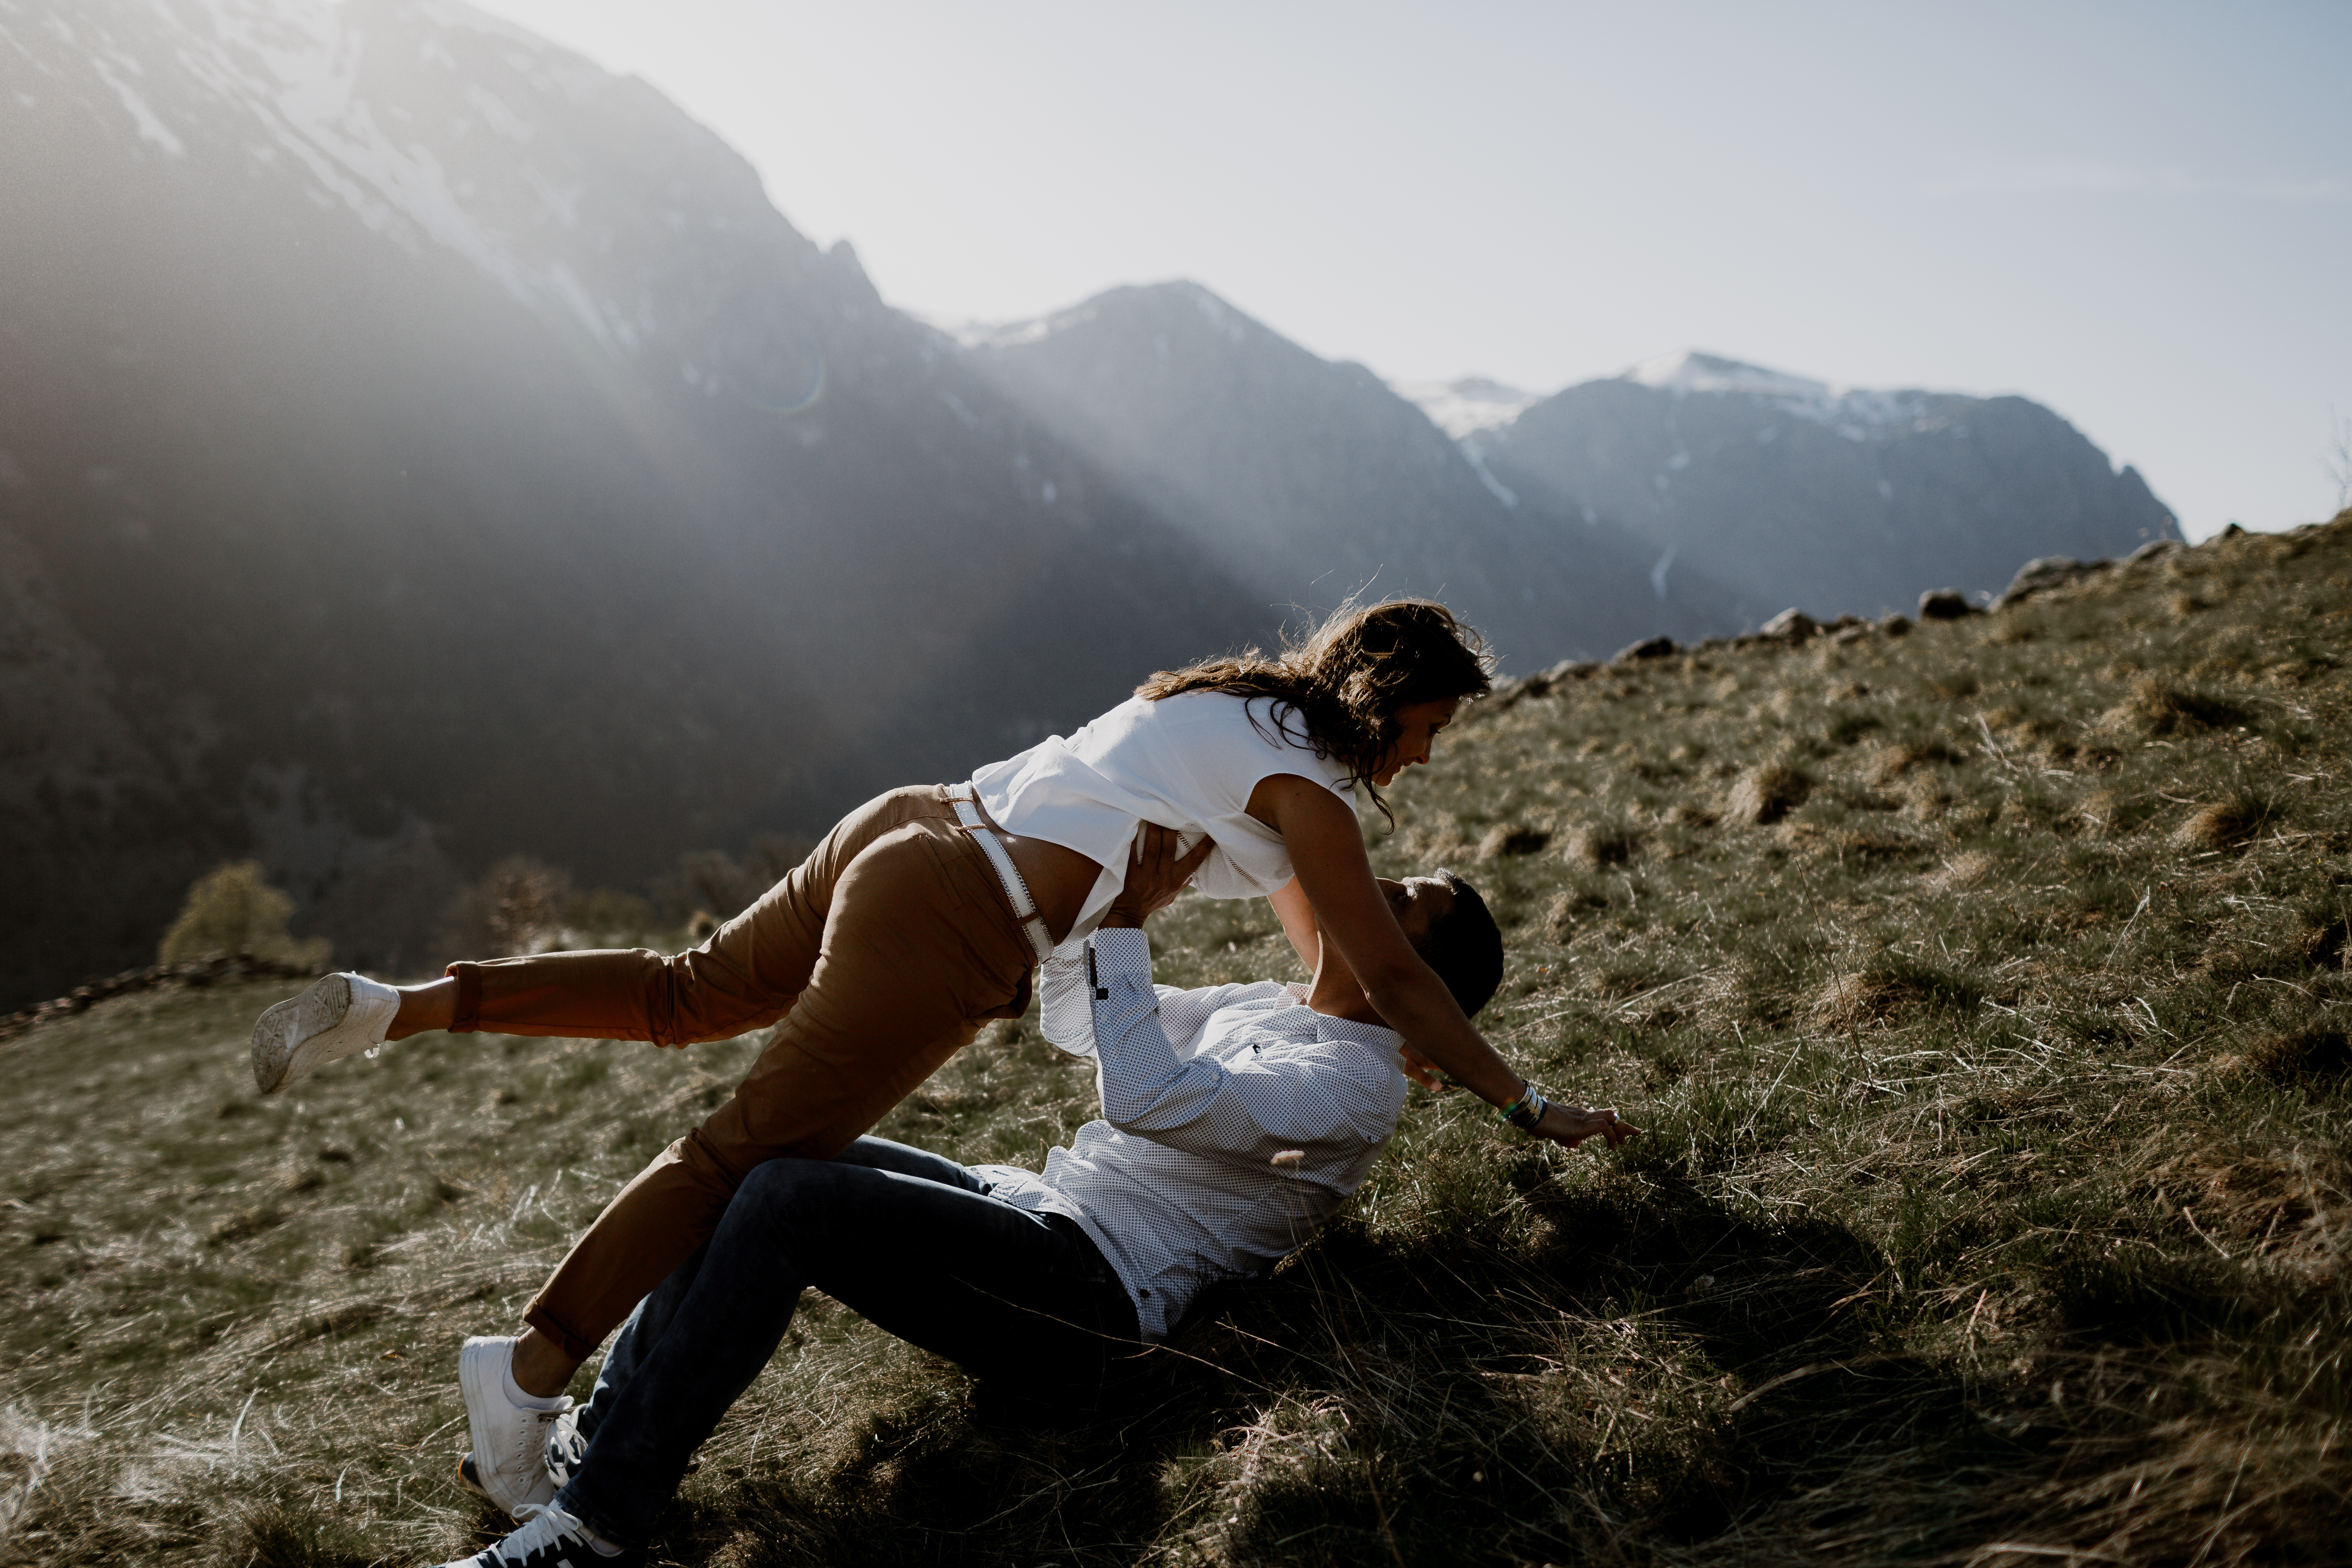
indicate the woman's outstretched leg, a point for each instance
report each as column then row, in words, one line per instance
column 744, row 977
column 610, row 994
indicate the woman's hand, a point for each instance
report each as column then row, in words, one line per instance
column 1155, row 875
column 1421, row 1070
column 1572, row 1124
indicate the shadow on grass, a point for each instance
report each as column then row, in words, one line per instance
column 1440, row 1403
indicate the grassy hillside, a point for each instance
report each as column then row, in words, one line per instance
column 1982, row 988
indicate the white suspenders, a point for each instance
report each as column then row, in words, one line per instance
column 1025, row 908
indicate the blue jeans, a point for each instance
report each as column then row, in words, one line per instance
column 909, row 1241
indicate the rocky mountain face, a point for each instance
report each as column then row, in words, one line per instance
column 1692, row 496
column 1317, row 480
column 1793, row 493
column 417, row 445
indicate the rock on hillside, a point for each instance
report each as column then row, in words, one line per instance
column 1793, row 492
column 1315, row 479
column 418, row 445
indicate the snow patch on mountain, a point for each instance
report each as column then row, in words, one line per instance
column 1853, row 412
column 1465, row 406
column 1222, row 318
column 1473, row 452
column 318, row 81
column 151, row 127
column 1690, row 372
column 1004, row 335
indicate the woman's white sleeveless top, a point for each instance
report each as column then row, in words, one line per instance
column 1186, row 763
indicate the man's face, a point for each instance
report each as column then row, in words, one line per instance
column 1418, row 903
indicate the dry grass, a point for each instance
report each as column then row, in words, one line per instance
column 1512, row 838
column 1993, row 1211
column 1765, row 794
column 1596, row 847
column 2223, row 823
column 1970, row 868
column 2162, row 706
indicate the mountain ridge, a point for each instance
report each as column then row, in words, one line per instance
column 1835, row 499
column 1314, row 476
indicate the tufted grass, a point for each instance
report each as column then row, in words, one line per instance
column 1982, row 990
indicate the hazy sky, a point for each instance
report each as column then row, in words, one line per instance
column 2139, row 214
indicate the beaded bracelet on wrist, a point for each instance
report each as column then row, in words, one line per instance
column 1525, row 1111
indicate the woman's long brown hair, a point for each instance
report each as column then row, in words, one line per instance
column 1342, row 683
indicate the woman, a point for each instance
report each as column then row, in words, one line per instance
column 922, row 913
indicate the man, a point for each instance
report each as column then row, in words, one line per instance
column 1236, row 1121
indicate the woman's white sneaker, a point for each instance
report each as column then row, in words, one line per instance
column 340, row 1015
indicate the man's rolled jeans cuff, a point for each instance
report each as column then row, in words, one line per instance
column 468, row 1017
column 587, row 1515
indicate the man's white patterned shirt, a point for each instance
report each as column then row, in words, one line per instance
column 1200, row 1090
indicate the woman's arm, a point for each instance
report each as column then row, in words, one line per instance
column 1326, row 849
column 1292, row 907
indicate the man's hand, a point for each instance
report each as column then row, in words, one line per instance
column 1572, row 1124
column 1155, row 875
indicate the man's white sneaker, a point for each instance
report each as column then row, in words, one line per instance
column 510, row 1440
column 339, row 1015
column 551, row 1538
column 566, row 1446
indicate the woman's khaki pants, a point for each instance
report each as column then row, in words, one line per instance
column 877, row 958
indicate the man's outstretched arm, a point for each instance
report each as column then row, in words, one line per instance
column 1246, row 1112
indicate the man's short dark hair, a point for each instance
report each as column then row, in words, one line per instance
column 1465, row 947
